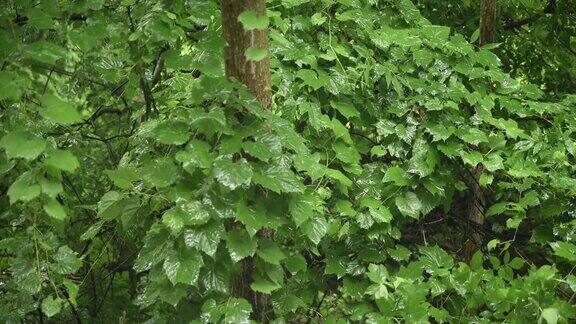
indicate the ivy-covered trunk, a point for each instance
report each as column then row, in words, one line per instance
column 244, row 23
column 248, row 36
column 477, row 199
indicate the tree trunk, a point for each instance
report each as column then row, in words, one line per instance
column 477, row 200
column 487, row 21
column 256, row 76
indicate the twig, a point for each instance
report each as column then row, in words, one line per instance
column 48, row 80
column 74, row 311
column 159, row 66
column 365, row 137
column 144, row 86
column 105, row 294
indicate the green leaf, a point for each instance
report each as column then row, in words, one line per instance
column 346, row 109
column 237, row 310
column 474, row 136
column 174, row 219
column 59, row 111
column 256, row 54
column 435, row 258
column 339, row 176
column 409, row 204
column 529, row 199
column 476, row 262
column 344, row 207
column 45, row 52
column 183, row 266
column 24, row 189
column 311, row 78
column 270, row 251
column 397, row 175
column 10, row 85
column 252, row 20
column 196, row 155
column 378, row 291
column 39, row 18
column 240, row 244
column 252, row 219
column 377, row 273
column 295, row 263
column 550, row 315
column 195, row 213
column 305, row 206
column 315, row 229
column 381, row 214
column 66, row 261
column 513, row 222
column 264, row 286
column 335, row 265
column 475, row 36
column 20, row 145
column 310, row 164
column 258, row 150
column 160, row 173
column 171, row 133
column 233, row 174
column 53, row 208
column 450, row 149
column 440, row 132
column 51, row 306
column 564, row 250
column 122, row 177
column 471, row 158
column 399, row 253
column 493, row 162
column 340, row 131
column 62, row 160
column 492, row 244
column 279, row 178
column 385, row 127
column 72, row 290
column 293, row 3
column 497, row 209
column 345, row 153
column 51, row 188
column 111, row 205
column 6, row 166
column 157, row 244
column 285, row 131
column 317, row 19
column 205, row 238
column 516, row 263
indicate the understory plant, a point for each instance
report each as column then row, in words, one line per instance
column 137, row 180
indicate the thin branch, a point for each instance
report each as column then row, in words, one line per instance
column 53, row 68
column 365, row 137
column 107, row 139
column 48, row 80
column 158, row 67
column 75, row 312
column 515, row 24
column 148, row 96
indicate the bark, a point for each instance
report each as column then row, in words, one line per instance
column 256, row 77
column 476, row 198
column 487, row 21
column 476, row 209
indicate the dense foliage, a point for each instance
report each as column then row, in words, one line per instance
column 536, row 39
column 134, row 176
